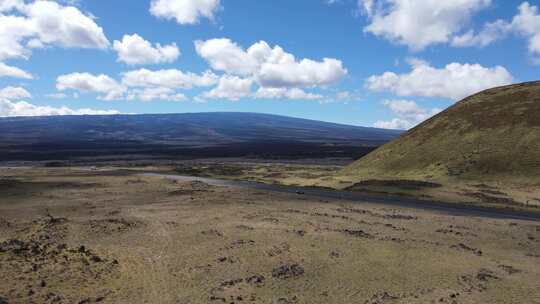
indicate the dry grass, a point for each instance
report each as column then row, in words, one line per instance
column 493, row 136
column 164, row 242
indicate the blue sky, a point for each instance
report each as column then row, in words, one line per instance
column 389, row 63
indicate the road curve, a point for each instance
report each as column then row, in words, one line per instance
column 454, row 209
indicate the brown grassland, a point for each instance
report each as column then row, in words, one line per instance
column 75, row 235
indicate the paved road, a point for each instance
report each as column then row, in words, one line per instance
column 360, row 197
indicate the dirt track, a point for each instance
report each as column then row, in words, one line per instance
column 82, row 236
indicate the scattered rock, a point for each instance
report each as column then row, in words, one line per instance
column 358, row 233
column 300, row 232
column 509, row 269
column 462, row 246
column 284, row 300
column 4, row 224
column 278, row 249
column 256, row 280
column 394, row 215
column 455, row 232
column 38, row 255
column 213, row 232
column 295, row 211
column 288, row 271
column 270, row 220
column 113, row 225
column 230, row 260
column 485, row 275
column 232, row 282
column 381, row 298
column 241, row 243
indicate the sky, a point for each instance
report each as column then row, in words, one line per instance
column 378, row 63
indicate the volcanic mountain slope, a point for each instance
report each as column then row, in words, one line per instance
column 189, row 135
column 493, row 135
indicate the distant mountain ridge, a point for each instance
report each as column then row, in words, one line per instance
column 218, row 134
column 492, row 135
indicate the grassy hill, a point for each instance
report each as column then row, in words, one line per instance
column 491, row 136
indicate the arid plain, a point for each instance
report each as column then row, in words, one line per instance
column 110, row 235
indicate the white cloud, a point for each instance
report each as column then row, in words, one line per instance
column 22, row 108
column 527, row 22
column 142, row 84
column 230, row 87
column 65, row 26
column 408, row 112
column 10, row 71
column 14, row 93
column 395, row 124
column 14, row 29
column 184, row 11
column 160, row 93
column 490, row 33
column 162, row 84
column 270, row 67
column 455, row 81
column 285, row 93
column 170, row 78
column 224, row 55
column 286, row 72
column 8, row 5
column 41, row 23
column 86, row 82
column 133, row 49
column 419, row 23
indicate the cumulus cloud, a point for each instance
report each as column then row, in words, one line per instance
column 169, row 78
column 408, row 113
column 230, row 87
column 490, row 33
column 294, row 93
column 286, row 72
column 269, row 67
column 525, row 23
column 185, row 11
column 224, row 55
column 419, row 23
column 10, row 71
column 66, row 26
column 159, row 93
column 23, row 108
column 455, row 81
column 14, row 93
column 133, row 50
column 142, row 84
column 7, row 5
column 150, row 85
column 42, row 23
column 86, row 82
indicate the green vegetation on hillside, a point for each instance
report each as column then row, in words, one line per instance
column 492, row 136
